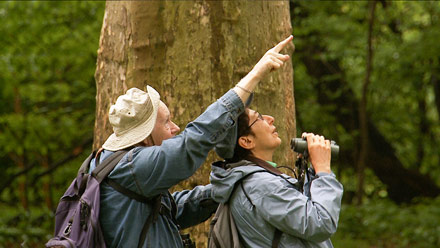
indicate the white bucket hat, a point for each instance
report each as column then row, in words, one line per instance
column 132, row 117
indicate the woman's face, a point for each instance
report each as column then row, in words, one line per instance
column 265, row 136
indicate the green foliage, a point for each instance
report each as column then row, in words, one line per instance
column 384, row 224
column 34, row 226
column 25, row 227
column 47, row 62
column 406, row 56
column 401, row 105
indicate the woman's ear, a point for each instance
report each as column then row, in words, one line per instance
column 246, row 142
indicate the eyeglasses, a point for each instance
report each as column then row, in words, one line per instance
column 260, row 117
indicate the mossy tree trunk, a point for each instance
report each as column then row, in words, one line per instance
column 192, row 53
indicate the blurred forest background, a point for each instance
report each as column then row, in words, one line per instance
column 366, row 75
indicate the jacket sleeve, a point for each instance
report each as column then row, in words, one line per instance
column 194, row 206
column 314, row 219
column 310, row 176
column 153, row 170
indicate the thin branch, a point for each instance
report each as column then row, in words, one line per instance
column 15, row 176
column 75, row 153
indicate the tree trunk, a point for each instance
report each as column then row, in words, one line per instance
column 436, row 84
column 19, row 158
column 192, row 53
column 423, row 123
column 47, row 184
column 363, row 122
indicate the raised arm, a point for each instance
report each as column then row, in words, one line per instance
column 271, row 60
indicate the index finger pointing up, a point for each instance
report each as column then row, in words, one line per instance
column 282, row 44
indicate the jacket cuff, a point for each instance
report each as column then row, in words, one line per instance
column 323, row 174
column 233, row 103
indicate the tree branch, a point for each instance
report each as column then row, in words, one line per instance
column 75, row 153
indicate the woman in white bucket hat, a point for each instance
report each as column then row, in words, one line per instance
column 158, row 159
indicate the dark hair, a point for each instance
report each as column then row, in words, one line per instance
column 243, row 129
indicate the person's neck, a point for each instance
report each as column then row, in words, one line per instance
column 263, row 155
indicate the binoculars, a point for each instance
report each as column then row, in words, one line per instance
column 299, row 145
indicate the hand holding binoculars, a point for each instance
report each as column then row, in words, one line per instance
column 299, row 145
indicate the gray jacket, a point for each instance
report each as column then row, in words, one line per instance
column 306, row 220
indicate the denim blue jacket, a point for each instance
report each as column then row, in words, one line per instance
column 152, row 170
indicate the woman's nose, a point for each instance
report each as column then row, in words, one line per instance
column 269, row 119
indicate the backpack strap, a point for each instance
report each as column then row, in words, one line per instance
column 265, row 165
column 101, row 172
column 240, row 182
column 84, row 170
column 158, row 208
column 154, row 202
column 85, row 165
column 270, row 169
column 276, row 238
column 173, row 211
column 129, row 193
column 155, row 211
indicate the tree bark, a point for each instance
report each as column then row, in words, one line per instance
column 192, row 53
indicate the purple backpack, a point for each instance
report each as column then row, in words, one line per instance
column 77, row 215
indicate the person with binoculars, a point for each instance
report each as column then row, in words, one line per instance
column 272, row 209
